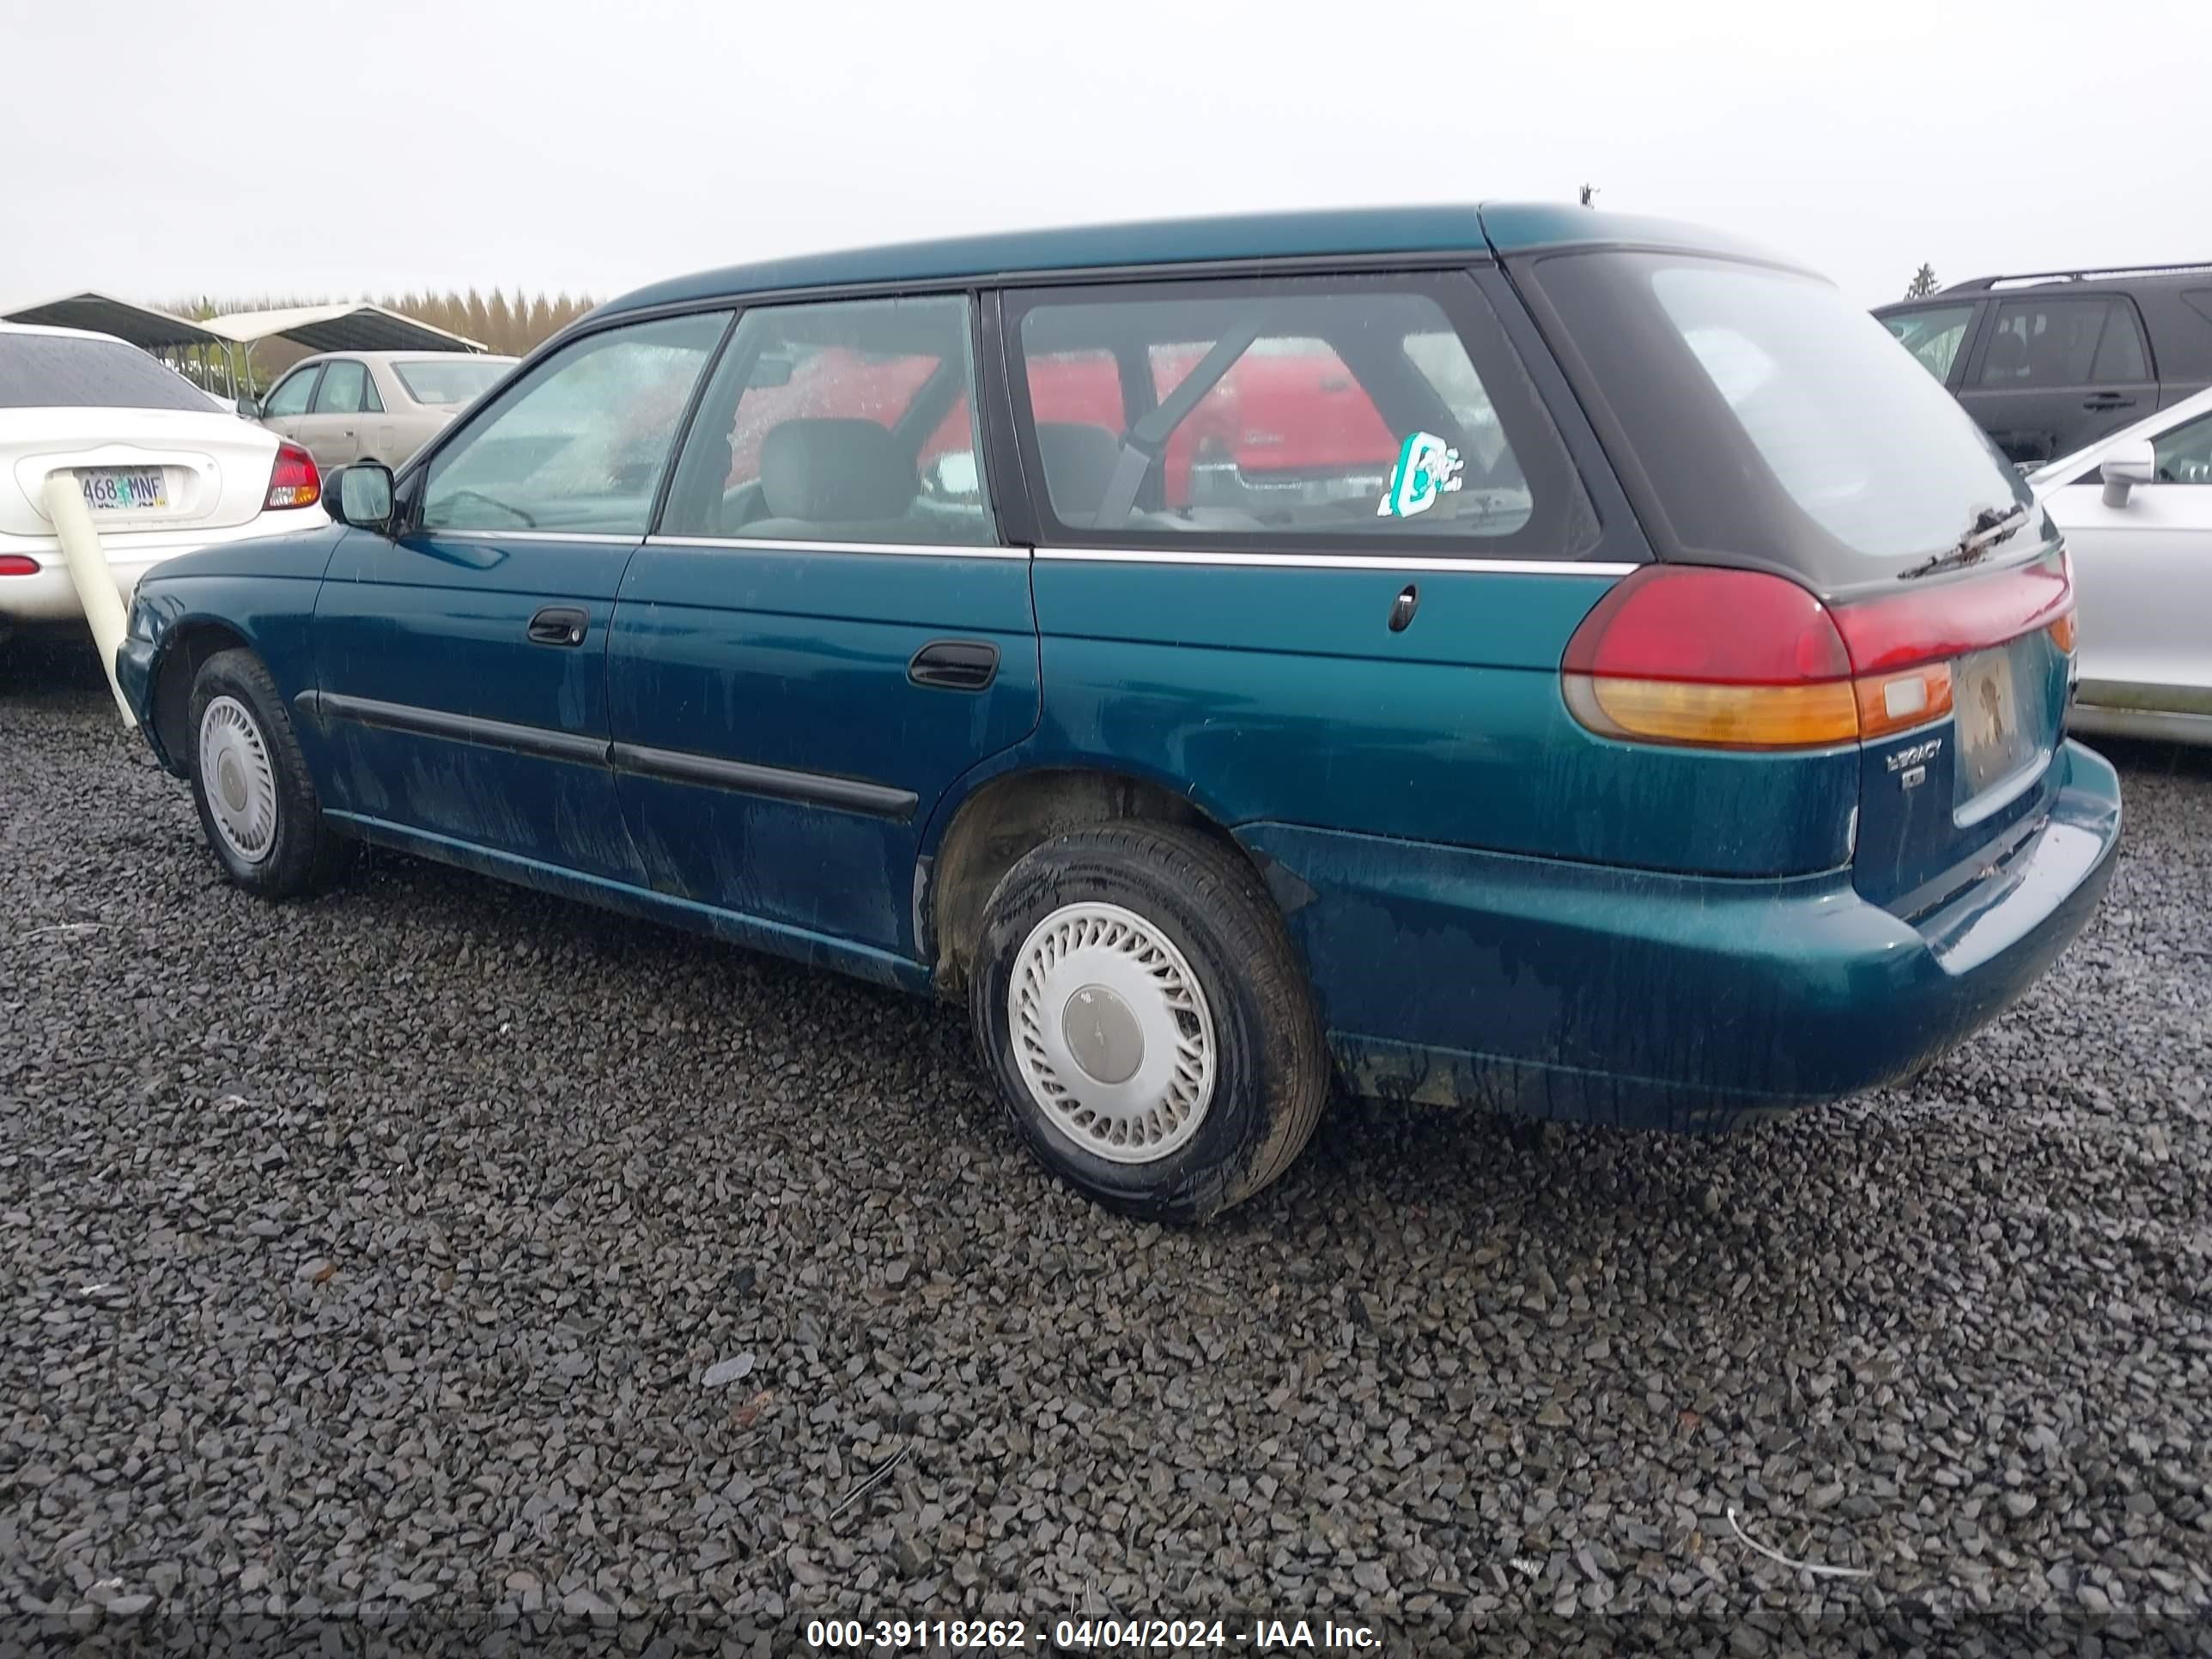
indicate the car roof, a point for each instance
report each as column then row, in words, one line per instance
column 1349, row 232
column 52, row 332
column 2070, row 469
column 402, row 357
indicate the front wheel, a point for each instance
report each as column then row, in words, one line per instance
column 1138, row 1006
column 257, row 803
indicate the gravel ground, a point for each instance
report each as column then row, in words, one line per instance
column 440, row 1253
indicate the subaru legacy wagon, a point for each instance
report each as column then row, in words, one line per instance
column 1520, row 657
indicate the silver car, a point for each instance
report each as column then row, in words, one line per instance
column 2136, row 508
column 346, row 406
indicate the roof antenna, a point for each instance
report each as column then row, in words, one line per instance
column 1590, row 196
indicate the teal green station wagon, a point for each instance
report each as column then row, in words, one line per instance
column 1517, row 657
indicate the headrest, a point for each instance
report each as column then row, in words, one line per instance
column 1078, row 464
column 2008, row 354
column 831, row 471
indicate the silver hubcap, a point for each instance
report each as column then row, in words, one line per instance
column 237, row 780
column 1112, row 1033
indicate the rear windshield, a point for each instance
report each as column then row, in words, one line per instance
column 456, row 382
column 1773, row 423
column 62, row 371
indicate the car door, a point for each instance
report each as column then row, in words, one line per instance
column 286, row 405
column 331, row 429
column 823, row 634
column 2143, row 571
column 461, row 661
column 2054, row 372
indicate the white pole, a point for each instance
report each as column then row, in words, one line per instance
column 88, row 569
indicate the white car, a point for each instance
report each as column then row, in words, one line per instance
column 2136, row 508
column 163, row 470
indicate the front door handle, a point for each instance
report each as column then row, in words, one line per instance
column 560, row 624
column 2108, row 400
column 955, row 664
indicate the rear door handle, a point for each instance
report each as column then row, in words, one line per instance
column 560, row 624
column 955, row 664
column 2108, row 400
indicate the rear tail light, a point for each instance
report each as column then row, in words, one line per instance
column 294, row 481
column 15, row 565
column 1741, row 659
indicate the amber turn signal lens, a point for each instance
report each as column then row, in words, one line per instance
column 2063, row 633
column 1715, row 716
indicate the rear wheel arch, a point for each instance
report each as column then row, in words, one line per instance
column 1003, row 818
column 189, row 645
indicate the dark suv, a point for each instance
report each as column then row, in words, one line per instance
column 2051, row 362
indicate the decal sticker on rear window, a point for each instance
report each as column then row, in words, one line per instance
column 1427, row 468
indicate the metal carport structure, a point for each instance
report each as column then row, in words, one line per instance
column 174, row 339
column 339, row 327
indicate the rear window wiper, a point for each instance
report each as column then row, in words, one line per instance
column 1991, row 525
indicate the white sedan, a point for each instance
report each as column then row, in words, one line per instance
column 2136, row 508
column 162, row 470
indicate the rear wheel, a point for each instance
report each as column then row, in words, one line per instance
column 257, row 803
column 1139, row 1008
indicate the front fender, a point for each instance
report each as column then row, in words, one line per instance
column 260, row 594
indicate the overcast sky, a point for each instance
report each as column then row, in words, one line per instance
column 329, row 151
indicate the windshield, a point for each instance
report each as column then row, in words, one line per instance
column 65, row 371
column 457, row 381
column 1774, row 422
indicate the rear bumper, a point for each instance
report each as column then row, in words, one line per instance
column 1630, row 997
column 50, row 596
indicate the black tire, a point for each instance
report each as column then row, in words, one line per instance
column 1271, row 1071
column 304, row 854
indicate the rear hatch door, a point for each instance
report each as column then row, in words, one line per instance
column 1761, row 420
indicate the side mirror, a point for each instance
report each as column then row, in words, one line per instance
column 2125, row 467
column 248, row 409
column 364, row 495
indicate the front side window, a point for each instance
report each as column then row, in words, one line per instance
column 340, row 392
column 1932, row 335
column 578, row 444
column 1357, row 412
column 851, row 422
column 2185, row 455
column 291, row 397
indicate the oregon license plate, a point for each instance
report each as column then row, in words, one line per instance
column 122, row 489
column 1995, row 740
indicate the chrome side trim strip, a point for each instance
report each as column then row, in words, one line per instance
column 780, row 545
column 1377, row 561
column 449, row 533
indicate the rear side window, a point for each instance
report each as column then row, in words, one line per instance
column 578, row 444
column 340, row 392
column 1768, row 421
column 1354, row 413
column 62, row 371
column 2063, row 343
column 848, row 422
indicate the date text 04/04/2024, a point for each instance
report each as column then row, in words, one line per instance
column 1015, row 1635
